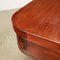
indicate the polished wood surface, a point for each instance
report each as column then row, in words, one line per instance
column 38, row 23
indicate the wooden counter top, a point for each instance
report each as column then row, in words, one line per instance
column 40, row 18
column 37, row 25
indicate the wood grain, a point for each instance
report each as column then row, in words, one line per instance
column 40, row 20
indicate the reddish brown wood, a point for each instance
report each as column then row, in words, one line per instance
column 37, row 26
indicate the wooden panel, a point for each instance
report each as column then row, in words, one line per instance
column 39, row 23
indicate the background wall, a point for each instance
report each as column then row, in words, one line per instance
column 12, row 4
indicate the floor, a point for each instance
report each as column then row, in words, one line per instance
column 8, row 44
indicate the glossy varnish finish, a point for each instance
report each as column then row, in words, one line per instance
column 37, row 26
